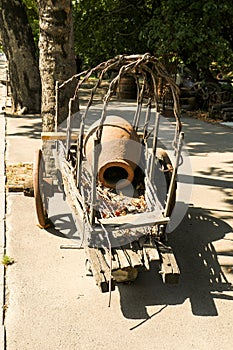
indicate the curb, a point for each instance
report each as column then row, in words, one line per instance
column 2, row 225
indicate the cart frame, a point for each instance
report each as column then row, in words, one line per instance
column 154, row 84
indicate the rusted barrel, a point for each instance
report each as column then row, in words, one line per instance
column 127, row 88
column 119, row 151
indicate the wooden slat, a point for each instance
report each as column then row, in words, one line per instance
column 100, row 269
column 97, row 274
column 123, row 259
column 135, row 258
column 57, row 136
column 68, row 177
column 108, row 257
column 151, row 251
column 169, row 268
column 146, row 260
column 136, row 220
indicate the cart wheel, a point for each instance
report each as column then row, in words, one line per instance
column 168, row 169
column 37, row 172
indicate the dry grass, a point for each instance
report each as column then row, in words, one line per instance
column 18, row 175
column 202, row 115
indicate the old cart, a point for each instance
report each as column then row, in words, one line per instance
column 107, row 162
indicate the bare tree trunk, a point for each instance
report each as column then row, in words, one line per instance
column 19, row 47
column 57, row 58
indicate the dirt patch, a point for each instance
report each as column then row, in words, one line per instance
column 202, row 115
column 19, row 176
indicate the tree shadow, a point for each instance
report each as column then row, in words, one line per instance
column 202, row 279
column 31, row 130
column 225, row 185
column 219, row 172
column 211, row 137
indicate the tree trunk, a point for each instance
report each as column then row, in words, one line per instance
column 57, row 58
column 19, row 47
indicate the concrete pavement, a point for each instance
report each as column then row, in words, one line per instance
column 2, row 224
column 52, row 304
column 3, row 98
column 49, row 301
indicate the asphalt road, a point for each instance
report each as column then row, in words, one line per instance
column 51, row 304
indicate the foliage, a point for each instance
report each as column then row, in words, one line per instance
column 107, row 28
column 6, row 260
column 199, row 32
column 33, row 18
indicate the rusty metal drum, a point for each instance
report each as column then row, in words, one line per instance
column 119, row 151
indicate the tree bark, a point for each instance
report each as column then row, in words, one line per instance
column 57, row 58
column 19, row 47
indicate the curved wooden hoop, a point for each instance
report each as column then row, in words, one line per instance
column 40, row 211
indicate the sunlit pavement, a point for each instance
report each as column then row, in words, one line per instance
column 3, row 94
column 51, row 303
column 50, row 294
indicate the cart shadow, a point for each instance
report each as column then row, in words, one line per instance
column 64, row 226
column 202, row 279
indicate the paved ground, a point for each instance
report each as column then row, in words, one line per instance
column 52, row 304
column 2, row 223
column 3, row 98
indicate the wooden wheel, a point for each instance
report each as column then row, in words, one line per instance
column 37, row 178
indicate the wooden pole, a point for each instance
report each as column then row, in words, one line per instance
column 154, row 146
column 172, row 186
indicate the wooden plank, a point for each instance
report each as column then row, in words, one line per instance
column 109, row 257
column 151, row 250
column 135, row 258
column 175, row 268
column 103, row 265
column 152, row 253
column 169, row 268
column 136, row 220
column 100, row 269
column 124, row 261
column 57, row 136
column 72, row 200
column 67, row 175
column 97, row 274
column 145, row 260
column 123, row 257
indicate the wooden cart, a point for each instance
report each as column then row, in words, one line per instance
column 122, row 232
